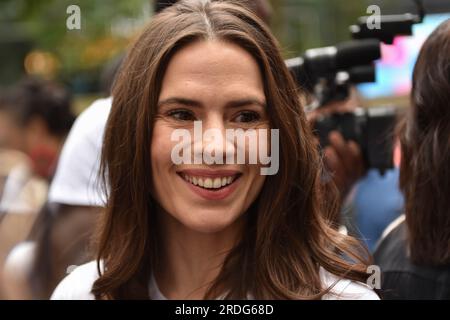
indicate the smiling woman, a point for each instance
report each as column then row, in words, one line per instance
column 192, row 231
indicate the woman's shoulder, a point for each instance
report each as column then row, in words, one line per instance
column 78, row 284
column 345, row 289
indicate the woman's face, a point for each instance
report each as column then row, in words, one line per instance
column 219, row 84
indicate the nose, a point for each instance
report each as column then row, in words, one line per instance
column 210, row 144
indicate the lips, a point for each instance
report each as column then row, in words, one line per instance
column 211, row 184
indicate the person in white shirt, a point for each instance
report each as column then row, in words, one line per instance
column 223, row 229
column 63, row 231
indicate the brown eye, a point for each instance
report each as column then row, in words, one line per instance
column 248, row 117
column 182, row 115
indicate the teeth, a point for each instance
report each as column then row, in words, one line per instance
column 217, row 183
column 209, row 183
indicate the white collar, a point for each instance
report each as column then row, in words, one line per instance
column 153, row 290
column 156, row 294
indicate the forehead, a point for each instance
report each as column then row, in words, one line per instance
column 212, row 67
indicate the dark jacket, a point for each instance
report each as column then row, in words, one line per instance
column 402, row 279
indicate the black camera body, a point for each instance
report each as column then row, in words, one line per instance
column 371, row 129
column 327, row 74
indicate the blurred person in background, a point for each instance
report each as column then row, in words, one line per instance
column 376, row 201
column 343, row 160
column 37, row 116
column 414, row 254
column 61, row 235
column 369, row 201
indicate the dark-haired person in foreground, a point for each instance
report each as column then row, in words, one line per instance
column 166, row 233
column 414, row 254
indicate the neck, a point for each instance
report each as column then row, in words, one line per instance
column 191, row 260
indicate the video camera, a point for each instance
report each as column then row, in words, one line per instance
column 328, row 74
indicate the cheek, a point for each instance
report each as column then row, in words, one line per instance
column 161, row 162
column 165, row 185
column 161, row 146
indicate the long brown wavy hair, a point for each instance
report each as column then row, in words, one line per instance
column 289, row 234
column 425, row 145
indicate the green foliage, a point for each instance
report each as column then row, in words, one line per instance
column 107, row 25
column 43, row 23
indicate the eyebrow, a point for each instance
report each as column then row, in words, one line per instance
column 197, row 104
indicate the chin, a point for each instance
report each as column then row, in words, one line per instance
column 210, row 222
